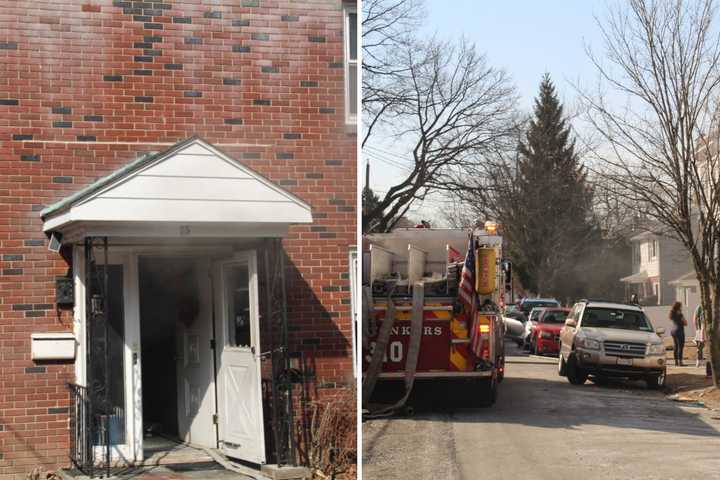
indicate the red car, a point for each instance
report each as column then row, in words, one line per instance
column 545, row 336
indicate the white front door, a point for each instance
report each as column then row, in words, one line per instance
column 239, row 385
column 193, row 354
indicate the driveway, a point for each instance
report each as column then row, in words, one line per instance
column 544, row 428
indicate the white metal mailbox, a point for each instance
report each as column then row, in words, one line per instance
column 53, row 346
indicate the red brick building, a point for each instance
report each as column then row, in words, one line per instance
column 168, row 148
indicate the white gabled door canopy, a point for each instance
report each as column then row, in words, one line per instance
column 190, row 189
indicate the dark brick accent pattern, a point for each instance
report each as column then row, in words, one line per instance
column 262, row 101
column 35, row 369
column 113, row 78
column 62, row 180
column 260, row 36
column 143, row 58
column 8, row 46
column 62, row 124
column 193, row 41
column 241, row 23
column 251, row 155
column 8, row 101
column 173, row 66
column 268, row 69
column 182, row 20
column 21, row 307
column 34, row 243
column 240, row 49
column 142, row 72
column 26, row 157
column 212, row 14
column 326, row 110
column 333, row 163
column 86, row 138
column 234, row 121
column 289, row 18
column 144, row 99
column 284, row 155
column 251, row 3
column 22, row 136
column 62, row 110
column 292, row 136
column 154, row 26
column 231, row 81
column 152, row 38
column 192, row 93
column 308, row 83
column 56, row 410
column 93, row 118
column 314, row 39
column 12, row 257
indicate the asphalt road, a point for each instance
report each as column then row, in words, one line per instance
column 543, row 428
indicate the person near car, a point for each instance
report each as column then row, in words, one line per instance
column 678, row 332
column 699, row 334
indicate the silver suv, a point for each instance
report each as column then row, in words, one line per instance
column 605, row 339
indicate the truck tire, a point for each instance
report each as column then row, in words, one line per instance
column 534, row 347
column 575, row 374
column 487, row 392
column 655, row 382
column 500, row 362
column 562, row 366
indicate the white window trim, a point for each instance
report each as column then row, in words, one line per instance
column 349, row 119
column 354, row 293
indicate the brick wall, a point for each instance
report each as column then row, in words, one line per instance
column 86, row 87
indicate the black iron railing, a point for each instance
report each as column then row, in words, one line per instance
column 81, row 441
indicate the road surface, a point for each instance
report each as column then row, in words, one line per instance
column 544, row 428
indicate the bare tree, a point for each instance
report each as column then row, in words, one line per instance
column 660, row 151
column 455, row 109
column 387, row 26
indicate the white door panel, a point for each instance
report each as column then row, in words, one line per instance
column 196, row 400
column 239, row 384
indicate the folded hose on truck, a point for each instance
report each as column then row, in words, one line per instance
column 416, row 328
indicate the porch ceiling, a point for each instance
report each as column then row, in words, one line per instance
column 190, row 189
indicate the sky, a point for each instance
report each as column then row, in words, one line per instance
column 525, row 37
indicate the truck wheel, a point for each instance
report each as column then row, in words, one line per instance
column 562, row 366
column 575, row 374
column 487, row 392
column 655, row 382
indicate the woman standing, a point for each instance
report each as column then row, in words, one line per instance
column 678, row 332
column 699, row 334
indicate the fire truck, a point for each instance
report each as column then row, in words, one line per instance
column 415, row 327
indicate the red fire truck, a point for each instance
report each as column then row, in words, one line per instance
column 414, row 325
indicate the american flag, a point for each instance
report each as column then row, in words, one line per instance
column 466, row 289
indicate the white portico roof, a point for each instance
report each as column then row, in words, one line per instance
column 192, row 186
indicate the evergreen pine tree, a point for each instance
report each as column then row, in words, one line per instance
column 554, row 226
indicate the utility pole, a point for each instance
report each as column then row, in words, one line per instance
column 367, row 175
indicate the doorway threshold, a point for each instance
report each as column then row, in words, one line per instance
column 161, row 450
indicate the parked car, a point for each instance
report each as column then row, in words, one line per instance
column 527, row 304
column 605, row 339
column 545, row 336
column 515, row 325
column 530, row 325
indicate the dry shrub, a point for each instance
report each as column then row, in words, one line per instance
column 332, row 449
column 40, row 474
